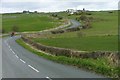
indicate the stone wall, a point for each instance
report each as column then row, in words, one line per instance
column 112, row 56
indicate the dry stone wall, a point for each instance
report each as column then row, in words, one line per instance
column 113, row 56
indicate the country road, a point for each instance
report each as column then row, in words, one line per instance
column 17, row 62
column 75, row 23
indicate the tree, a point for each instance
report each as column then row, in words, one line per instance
column 59, row 17
column 26, row 12
column 35, row 12
column 15, row 28
column 86, row 25
column 54, row 15
column 83, row 17
column 83, row 9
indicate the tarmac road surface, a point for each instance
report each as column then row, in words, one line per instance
column 17, row 62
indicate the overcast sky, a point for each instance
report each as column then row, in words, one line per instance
column 9, row 6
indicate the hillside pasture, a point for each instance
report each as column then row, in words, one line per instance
column 28, row 22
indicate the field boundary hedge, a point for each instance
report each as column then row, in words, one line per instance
column 114, row 57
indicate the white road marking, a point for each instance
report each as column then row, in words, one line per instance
column 11, row 49
column 13, row 52
column 22, row 61
column 33, row 68
column 49, row 78
column 9, row 46
column 16, row 56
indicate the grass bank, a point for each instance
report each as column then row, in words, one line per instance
column 100, row 65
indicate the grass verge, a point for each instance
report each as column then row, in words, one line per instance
column 99, row 65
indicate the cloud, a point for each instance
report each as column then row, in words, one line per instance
column 59, row 0
column 56, row 5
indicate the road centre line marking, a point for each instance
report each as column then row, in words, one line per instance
column 22, row 61
column 11, row 49
column 48, row 78
column 16, row 56
column 13, row 52
column 9, row 46
column 33, row 68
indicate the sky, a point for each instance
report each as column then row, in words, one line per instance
column 11, row 6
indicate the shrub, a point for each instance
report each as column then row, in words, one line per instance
column 54, row 15
column 110, row 12
column 60, row 17
column 57, row 31
column 83, row 17
column 77, row 18
column 35, row 12
column 86, row 25
column 89, row 13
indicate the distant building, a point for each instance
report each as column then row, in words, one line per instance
column 71, row 11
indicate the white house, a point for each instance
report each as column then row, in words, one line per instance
column 71, row 11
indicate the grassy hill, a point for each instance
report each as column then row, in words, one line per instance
column 102, row 23
column 102, row 35
column 28, row 22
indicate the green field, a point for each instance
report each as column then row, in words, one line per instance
column 109, row 43
column 28, row 22
column 103, row 22
column 101, row 37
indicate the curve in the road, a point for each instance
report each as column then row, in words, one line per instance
column 20, row 63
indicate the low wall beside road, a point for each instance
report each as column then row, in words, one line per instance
column 113, row 56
